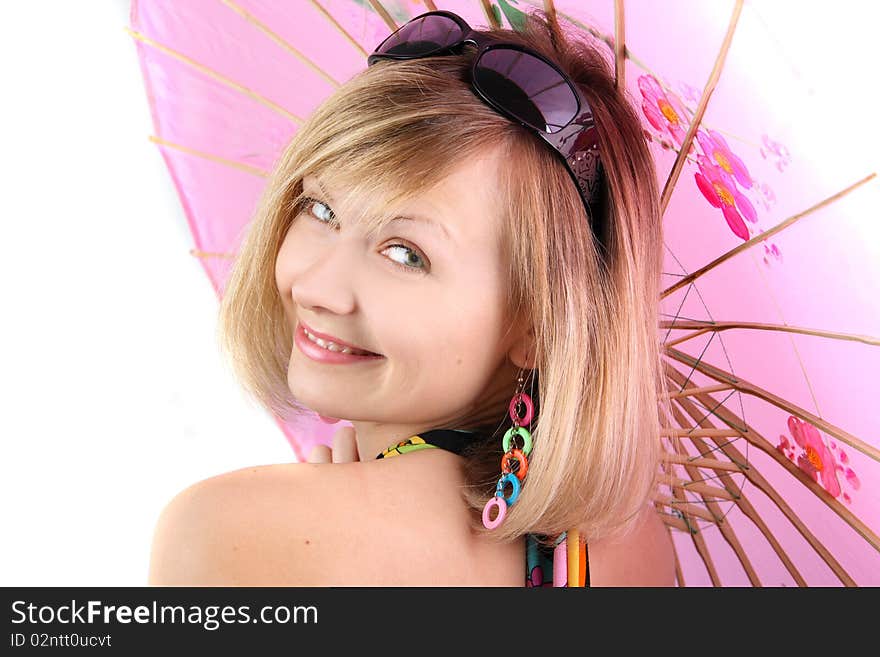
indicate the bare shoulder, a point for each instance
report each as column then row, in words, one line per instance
column 644, row 557
column 303, row 524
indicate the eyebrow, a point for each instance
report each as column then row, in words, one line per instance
column 441, row 228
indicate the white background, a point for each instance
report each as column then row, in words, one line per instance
column 113, row 394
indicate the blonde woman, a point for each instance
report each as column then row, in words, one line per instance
column 459, row 253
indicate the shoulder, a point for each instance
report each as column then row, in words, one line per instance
column 302, row 524
column 643, row 557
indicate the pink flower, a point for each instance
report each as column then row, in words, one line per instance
column 716, row 149
column 720, row 190
column 852, row 479
column 816, row 459
column 663, row 109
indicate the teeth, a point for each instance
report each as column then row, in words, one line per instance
column 332, row 346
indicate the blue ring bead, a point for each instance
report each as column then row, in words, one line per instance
column 499, row 488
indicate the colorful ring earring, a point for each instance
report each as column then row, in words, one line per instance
column 512, row 454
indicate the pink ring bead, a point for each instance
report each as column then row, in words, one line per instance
column 502, row 511
column 530, row 409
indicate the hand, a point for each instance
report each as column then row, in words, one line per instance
column 344, row 448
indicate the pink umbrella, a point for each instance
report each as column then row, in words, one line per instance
column 772, row 469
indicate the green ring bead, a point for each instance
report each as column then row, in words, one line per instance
column 526, row 436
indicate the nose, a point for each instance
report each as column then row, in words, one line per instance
column 326, row 278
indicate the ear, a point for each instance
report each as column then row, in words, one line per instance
column 522, row 352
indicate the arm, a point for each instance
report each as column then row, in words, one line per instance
column 644, row 557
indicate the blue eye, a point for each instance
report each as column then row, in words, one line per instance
column 307, row 203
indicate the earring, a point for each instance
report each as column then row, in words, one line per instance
column 514, row 464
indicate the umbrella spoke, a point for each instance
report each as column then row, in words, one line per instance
column 756, row 391
column 215, row 75
column 249, row 17
column 678, row 165
column 752, row 437
column 619, row 45
column 213, row 158
column 762, row 237
column 701, row 328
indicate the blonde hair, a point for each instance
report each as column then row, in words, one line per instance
column 597, row 369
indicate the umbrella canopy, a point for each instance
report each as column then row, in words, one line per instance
column 772, row 273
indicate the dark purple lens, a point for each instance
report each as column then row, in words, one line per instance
column 422, row 36
column 526, row 87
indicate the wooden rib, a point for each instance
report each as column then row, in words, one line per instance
column 213, row 158
column 687, row 392
column 696, row 537
column 710, row 464
column 317, row 5
column 745, row 506
column 679, row 577
column 696, row 487
column 755, row 477
column 244, row 13
column 383, row 14
column 619, row 46
column 491, row 20
column 714, row 327
column 678, row 165
column 760, row 238
column 699, row 431
column 210, row 254
column 687, row 508
column 756, row 391
column 674, row 521
column 727, row 532
column 275, row 107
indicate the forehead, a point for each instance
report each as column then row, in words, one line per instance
column 464, row 205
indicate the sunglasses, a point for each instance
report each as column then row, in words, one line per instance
column 521, row 85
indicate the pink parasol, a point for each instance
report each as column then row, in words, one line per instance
column 772, row 273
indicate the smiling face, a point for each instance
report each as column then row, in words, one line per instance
column 430, row 298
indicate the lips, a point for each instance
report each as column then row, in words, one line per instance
column 334, row 339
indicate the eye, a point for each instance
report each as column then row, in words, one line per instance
column 308, row 203
column 416, row 270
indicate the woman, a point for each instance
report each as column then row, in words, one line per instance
column 435, row 273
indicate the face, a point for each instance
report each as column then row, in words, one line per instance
column 428, row 299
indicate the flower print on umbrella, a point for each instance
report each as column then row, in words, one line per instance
column 663, row 109
column 717, row 150
column 720, row 190
column 816, row 458
column 783, row 157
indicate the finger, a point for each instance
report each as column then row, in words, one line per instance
column 319, row 454
column 345, row 446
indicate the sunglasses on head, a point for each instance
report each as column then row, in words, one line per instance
column 518, row 83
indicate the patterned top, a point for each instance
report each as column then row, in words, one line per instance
column 545, row 566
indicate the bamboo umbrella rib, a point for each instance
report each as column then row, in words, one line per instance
column 696, row 537
column 491, row 19
column 727, row 532
column 339, row 28
column 275, row 107
column 619, row 46
column 674, row 521
column 749, row 511
column 213, row 158
column 696, row 487
column 756, row 391
column 210, row 254
column 715, row 327
column 686, row 507
column 762, row 237
column 743, row 503
column 697, row 462
column 755, row 477
column 678, row 165
column 687, row 392
column 383, row 14
column 754, row 438
column 250, row 18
